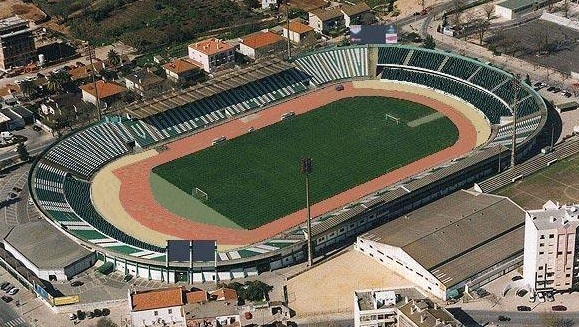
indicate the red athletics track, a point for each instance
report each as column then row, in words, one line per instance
column 137, row 198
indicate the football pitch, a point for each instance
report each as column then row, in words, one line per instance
column 255, row 178
column 558, row 182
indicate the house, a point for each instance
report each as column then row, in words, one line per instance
column 107, row 92
column 297, row 31
column 224, row 294
column 211, row 53
column 261, row 44
column 323, row 20
column 144, row 83
column 352, row 14
column 56, row 104
column 425, row 313
column 212, row 314
column 159, row 307
column 180, row 70
column 82, row 72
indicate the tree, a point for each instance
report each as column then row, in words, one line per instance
column 428, row 42
column 22, row 152
column 58, row 82
column 550, row 319
column 528, row 80
column 367, row 18
column 481, row 27
column 113, row 57
column 252, row 3
column 489, row 10
column 29, row 88
column 457, row 8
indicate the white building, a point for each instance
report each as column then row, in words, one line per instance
column 160, row 307
column 352, row 14
column 374, row 307
column 550, row 247
column 297, row 31
column 511, row 9
column 266, row 4
column 449, row 246
column 211, row 53
column 46, row 261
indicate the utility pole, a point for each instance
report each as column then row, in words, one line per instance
column 90, row 51
column 289, row 46
column 516, row 85
column 306, row 169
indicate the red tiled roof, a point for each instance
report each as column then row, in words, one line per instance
column 179, row 66
column 9, row 89
column 105, row 89
column 259, row 40
column 224, row 294
column 197, row 296
column 156, row 299
column 211, row 46
column 299, row 28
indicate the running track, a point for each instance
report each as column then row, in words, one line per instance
column 137, row 198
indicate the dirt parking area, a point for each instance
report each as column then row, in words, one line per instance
column 329, row 287
column 24, row 10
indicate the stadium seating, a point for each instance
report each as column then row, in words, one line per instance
column 488, row 78
column 335, row 64
column 525, row 128
column 87, row 151
column 392, row 55
column 77, row 193
column 460, row 68
column 487, row 103
column 427, row 60
column 215, row 108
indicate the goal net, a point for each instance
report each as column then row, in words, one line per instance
column 200, row 194
column 392, row 118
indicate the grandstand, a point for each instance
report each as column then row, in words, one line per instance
column 60, row 178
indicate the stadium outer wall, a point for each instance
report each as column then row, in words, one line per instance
column 337, row 231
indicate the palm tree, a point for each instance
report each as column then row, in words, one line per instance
column 113, row 57
column 29, row 88
column 57, row 82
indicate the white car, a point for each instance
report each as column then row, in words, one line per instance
column 13, row 291
column 541, row 297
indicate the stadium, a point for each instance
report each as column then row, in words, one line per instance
column 390, row 128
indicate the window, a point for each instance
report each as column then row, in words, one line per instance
column 541, row 244
column 155, row 313
column 567, row 275
column 542, row 237
column 170, row 311
column 541, row 252
column 551, row 235
column 540, row 267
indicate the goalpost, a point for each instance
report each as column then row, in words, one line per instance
column 394, row 119
column 200, row 194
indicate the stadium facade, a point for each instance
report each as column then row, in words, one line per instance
column 61, row 177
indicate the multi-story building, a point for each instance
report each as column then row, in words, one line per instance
column 158, row 307
column 212, row 53
column 16, row 43
column 550, row 262
column 298, row 32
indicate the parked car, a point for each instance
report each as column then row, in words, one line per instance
column 9, row 288
column 523, row 308
column 556, row 90
column 517, row 277
column 532, row 297
column 106, row 312
column 36, row 128
column 97, row 312
column 71, row 316
column 4, row 284
column 551, row 88
column 89, row 315
column 559, row 308
column 13, row 291
column 504, row 318
column 6, row 299
column 549, row 297
column 76, row 283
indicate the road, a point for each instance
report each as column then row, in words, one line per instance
column 9, row 317
column 531, row 318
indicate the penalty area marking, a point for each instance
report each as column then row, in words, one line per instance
column 426, row 119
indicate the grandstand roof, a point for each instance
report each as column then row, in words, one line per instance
column 171, row 100
column 261, row 39
column 44, row 246
column 409, row 185
column 457, row 236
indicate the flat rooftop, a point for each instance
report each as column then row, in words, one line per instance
column 457, row 236
column 44, row 245
column 366, row 299
column 516, row 5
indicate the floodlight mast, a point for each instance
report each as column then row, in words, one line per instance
column 306, row 169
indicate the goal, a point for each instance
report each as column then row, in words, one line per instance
column 200, row 194
column 392, row 118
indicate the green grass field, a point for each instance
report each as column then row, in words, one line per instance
column 558, row 182
column 255, row 178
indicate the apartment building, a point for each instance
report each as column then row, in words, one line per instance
column 550, row 262
column 16, row 43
